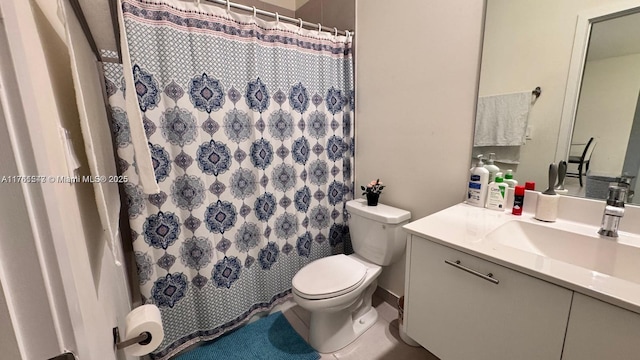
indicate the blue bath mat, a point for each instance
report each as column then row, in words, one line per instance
column 270, row 338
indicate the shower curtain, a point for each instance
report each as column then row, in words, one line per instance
column 249, row 127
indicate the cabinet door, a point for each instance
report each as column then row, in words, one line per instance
column 600, row 331
column 460, row 316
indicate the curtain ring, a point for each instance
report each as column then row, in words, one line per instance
column 319, row 28
column 228, row 6
column 196, row 3
column 299, row 24
column 277, row 19
column 336, row 31
column 254, row 11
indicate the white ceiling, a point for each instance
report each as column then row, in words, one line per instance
column 615, row 37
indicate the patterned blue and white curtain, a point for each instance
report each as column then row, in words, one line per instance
column 249, row 126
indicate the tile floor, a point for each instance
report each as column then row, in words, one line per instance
column 381, row 342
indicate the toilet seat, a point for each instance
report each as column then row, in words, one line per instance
column 329, row 277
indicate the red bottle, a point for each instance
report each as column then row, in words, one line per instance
column 518, row 200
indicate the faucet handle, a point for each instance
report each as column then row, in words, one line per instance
column 617, row 195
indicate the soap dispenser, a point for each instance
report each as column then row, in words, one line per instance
column 477, row 186
column 493, row 169
column 509, row 180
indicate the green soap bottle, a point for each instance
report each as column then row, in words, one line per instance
column 509, row 180
column 497, row 194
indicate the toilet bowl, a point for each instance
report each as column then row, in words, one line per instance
column 342, row 311
column 337, row 290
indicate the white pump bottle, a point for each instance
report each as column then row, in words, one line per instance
column 492, row 167
column 477, row 186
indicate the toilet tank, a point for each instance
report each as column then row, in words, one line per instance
column 376, row 231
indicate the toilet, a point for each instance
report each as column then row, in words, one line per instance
column 337, row 289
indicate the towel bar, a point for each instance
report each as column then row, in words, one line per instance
column 537, row 92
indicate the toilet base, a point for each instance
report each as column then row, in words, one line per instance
column 338, row 321
column 329, row 332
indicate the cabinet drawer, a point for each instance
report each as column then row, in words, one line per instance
column 457, row 311
column 600, row 331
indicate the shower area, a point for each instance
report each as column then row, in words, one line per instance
column 235, row 136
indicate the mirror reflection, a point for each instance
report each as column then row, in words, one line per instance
column 607, row 123
column 529, row 45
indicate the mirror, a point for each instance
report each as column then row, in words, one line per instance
column 575, row 54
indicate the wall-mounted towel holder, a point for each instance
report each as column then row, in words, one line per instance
column 537, row 92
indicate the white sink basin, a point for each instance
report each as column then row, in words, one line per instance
column 614, row 257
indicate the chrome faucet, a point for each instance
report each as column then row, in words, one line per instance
column 625, row 181
column 613, row 211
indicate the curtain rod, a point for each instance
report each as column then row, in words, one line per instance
column 297, row 21
column 116, row 26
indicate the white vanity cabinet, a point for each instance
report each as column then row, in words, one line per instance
column 459, row 315
column 601, row 331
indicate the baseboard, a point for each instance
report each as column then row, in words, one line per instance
column 387, row 296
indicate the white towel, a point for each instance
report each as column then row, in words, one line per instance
column 95, row 130
column 136, row 125
column 501, row 120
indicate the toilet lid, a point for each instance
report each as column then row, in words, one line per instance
column 329, row 277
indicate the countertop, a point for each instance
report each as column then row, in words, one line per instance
column 465, row 228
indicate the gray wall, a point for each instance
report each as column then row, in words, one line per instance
column 332, row 13
column 8, row 342
column 417, row 70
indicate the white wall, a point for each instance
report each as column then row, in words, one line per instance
column 17, row 248
column 104, row 297
column 69, row 237
column 606, row 110
column 31, row 292
column 417, row 65
column 528, row 44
